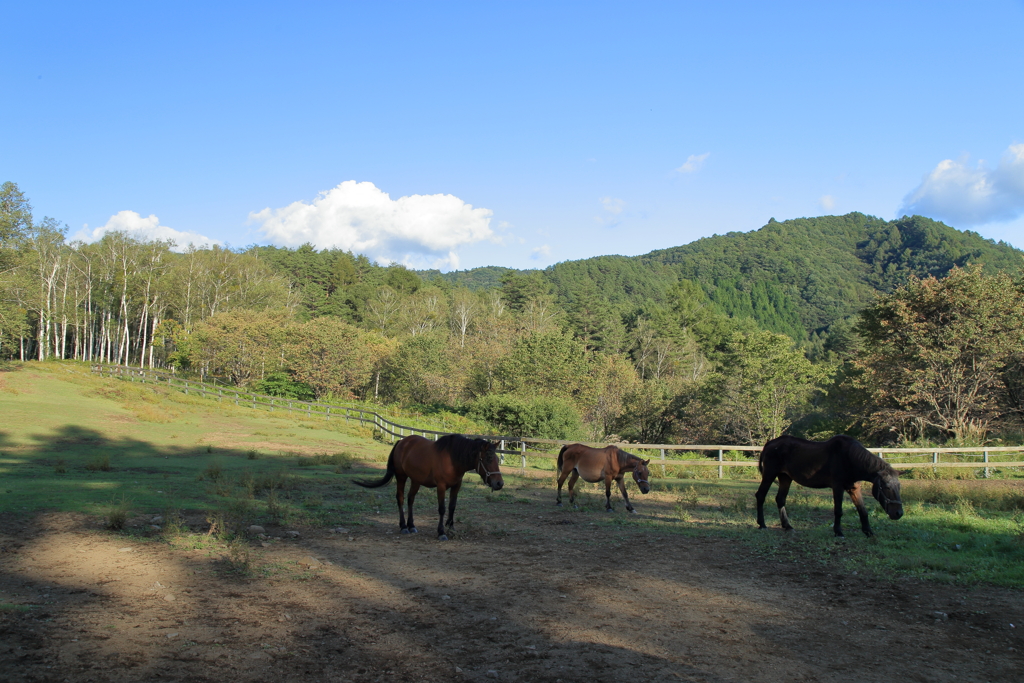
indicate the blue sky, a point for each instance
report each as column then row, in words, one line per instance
column 514, row 134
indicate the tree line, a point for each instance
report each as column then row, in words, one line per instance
column 607, row 347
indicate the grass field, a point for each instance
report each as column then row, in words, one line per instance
column 124, row 452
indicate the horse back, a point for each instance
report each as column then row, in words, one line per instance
column 815, row 464
column 591, row 463
column 419, row 459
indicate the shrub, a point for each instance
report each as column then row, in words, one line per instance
column 99, row 464
column 546, row 417
column 281, row 384
column 117, row 513
column 213, row 471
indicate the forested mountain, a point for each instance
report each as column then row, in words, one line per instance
column 805, row 277
column 802, row 276
column 486, row 277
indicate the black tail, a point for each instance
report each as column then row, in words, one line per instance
column 560, row 459
column 388, row 475
column 760, row 459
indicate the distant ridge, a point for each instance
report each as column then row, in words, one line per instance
column 801, row 277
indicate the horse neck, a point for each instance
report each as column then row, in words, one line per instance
column 627, row 461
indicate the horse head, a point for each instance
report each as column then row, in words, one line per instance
column 885, row 487
column 487, row 465
column 642, row 476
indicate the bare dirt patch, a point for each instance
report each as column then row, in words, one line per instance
column 543, row 596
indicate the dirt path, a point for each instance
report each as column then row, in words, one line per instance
column 550, row 598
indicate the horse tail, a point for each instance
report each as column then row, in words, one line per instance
column 760, row 459
column 388, row 475
column 560, row 457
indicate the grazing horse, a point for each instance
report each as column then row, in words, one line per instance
column 440, row 464
column 839, row 463
column 595, row 464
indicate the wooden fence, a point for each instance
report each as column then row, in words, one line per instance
column 986, row 457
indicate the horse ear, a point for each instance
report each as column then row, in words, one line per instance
column 647, row 462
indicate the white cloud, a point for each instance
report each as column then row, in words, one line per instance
column 540, row 252
column 827, row 202
column 147, row 228
column 963, row 195
column 612, row 205
column 693, row 163
column 418, row 230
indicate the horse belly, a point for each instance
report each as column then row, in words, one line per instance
column 590, row 473
column 813, row 479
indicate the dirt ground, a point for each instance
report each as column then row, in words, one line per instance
column 547, row 596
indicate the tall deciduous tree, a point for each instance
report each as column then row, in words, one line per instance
column 330, row 356
column 766, row 384
column 937, row 353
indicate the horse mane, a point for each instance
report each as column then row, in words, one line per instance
column 865, row 459
column 625, row 457
column 463, row 451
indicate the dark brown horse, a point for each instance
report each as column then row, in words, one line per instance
column 594, row 464
column 440, row 464
column 839, row 464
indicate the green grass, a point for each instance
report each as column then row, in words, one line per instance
column 74, row 442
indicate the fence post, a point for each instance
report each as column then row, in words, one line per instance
column 987, row 473
column 522, row 451
column 662, row 462
column 935, row 460
column 719, row 463
column 328, row 413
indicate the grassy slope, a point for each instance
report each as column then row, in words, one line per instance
column 163, row 447
column 169, row 451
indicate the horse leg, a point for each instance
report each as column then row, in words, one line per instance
column 413, row 488
column 762, row 493
column 440, row 512
column 780, row 499
column 625, row 496
column 572, row 486
column 452, row 497
column 608, row 494
column 837, row 498
column 561, row 479
column 400, row 497
column 858, row 501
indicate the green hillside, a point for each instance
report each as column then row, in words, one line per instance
column 804, row 277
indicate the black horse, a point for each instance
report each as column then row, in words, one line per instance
column 839, row 464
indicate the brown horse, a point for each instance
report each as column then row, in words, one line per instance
column 594, row 464
column 839, row 463
column 440, row 464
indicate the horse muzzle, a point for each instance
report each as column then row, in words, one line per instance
column 645, row 488
column 496, row 484
column 894, row 510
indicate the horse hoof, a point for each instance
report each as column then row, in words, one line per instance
column 413, row 530
column 404, row 531
column 559, row 504
column 632, row 512
column 609, row 509
column 442, row 537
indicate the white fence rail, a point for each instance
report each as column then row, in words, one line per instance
column 986, row 457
